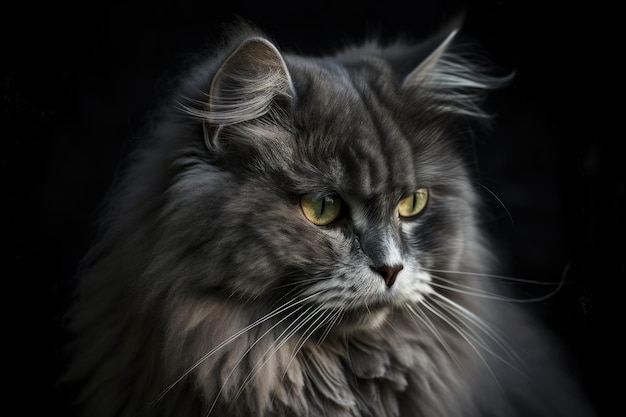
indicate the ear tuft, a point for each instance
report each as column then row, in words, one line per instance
column 428, row 65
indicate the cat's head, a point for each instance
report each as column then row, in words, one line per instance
column 335, row 182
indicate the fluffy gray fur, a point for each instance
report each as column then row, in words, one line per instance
column 208, row 292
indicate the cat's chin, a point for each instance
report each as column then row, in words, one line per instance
column 369, row 318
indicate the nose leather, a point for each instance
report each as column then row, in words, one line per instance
column 389, row 273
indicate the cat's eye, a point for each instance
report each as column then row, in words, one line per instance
column 320, row 210
column 414, row 204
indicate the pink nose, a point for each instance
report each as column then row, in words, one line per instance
column 389, row 273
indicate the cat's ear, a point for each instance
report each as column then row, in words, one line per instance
column 252, row 85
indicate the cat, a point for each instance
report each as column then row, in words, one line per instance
column 301, row 236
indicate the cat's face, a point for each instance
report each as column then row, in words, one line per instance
column 344, row 207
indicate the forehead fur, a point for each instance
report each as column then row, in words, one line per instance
column 352, row 119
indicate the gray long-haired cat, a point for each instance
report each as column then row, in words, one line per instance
column 301, row 237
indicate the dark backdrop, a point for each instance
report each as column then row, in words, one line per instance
column 79, row 83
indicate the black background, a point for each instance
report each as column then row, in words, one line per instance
column 79, row 83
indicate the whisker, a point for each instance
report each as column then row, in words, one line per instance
column 499, row 201
column 479, row 292
column 306, row 335
column 461, row 314
column 258, row 339
column 299, row 282
column 339, row 313
column 297, row 286
column 485, row 275
column 271, row 352
column 461, row 333
column 469, row 290
column 433, row 329
column 453, row 325
column 301, row 341
column 290, row 304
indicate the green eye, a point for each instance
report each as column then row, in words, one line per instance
column 320, row 210
column 413, row 204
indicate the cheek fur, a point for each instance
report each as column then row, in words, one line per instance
column 280, row 250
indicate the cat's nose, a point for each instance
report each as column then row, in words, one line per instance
column 389, row 273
